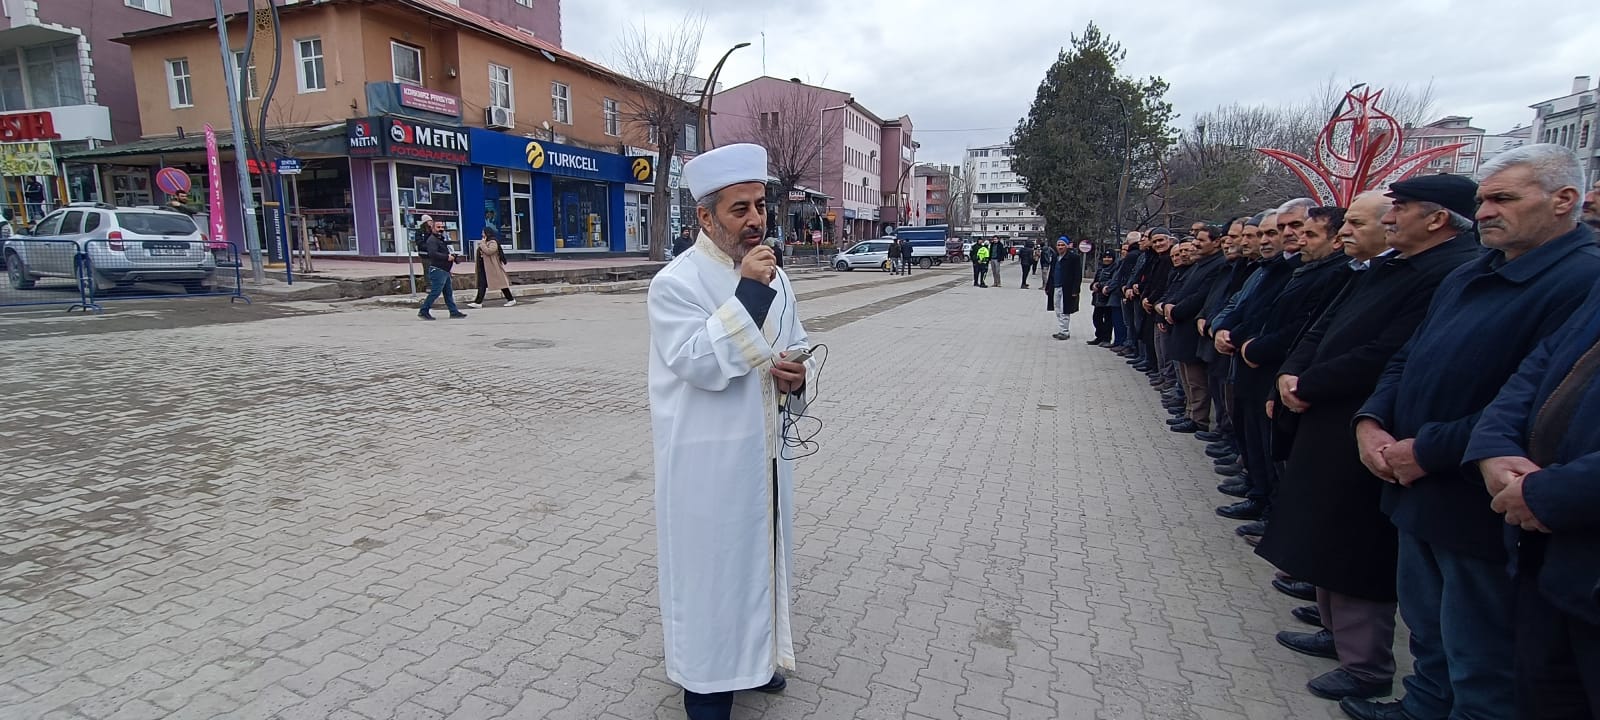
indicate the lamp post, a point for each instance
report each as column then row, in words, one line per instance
column 898, row 198
column 706, row 97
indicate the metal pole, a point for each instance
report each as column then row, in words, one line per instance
column 252, row 234
column 707, row 98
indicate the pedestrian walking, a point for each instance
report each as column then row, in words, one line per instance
column 440, row 258
column 1028, row 258
column 683, row 242
column 907, row 255
column 895, row 263
column 1063, row 283
column 491, row 266
column 33, row 196
column 721, row 394
column 980, row 264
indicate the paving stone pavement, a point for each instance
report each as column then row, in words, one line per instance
column 359, row 515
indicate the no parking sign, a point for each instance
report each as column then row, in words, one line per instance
column 172, row 180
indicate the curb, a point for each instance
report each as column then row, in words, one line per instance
column 526, row 291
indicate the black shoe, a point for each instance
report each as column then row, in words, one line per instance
column 1142, row 367
column 775, row 685
column 1317, row 644
column 1252, row 540
column 1087, row 342
column 1234, row 470
column 1243, row 510
column 1234, row 489
column 1186, row 427
column 1210, row 436
column 425, row 316
column 1218, row 449
column 1158, row 381
column 1177, row 421
column 1308, row 614
column 1372, row 710
column 1255, row 530
column 1296, row 589
column 1226, row 460
column 708, row 706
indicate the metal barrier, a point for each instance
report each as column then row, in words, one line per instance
column 44, row 271
column 145, row 269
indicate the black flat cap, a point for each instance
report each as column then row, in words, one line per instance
column 1453, row 192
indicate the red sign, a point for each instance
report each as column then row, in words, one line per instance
column 219, row 228
column 425, row 99
column 27, row 127
column 172, row 180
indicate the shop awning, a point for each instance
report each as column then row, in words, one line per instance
column 320, row 141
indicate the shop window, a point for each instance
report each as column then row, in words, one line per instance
column 581, row 215
column 420, row 190
column 407, row 61
column 323, row 189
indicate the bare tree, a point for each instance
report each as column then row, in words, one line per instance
column 662, row 65
column 958, row 201
column 792, row 127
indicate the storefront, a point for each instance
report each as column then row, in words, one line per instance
column 32, row 182
column 548, row 198
column 401, row 170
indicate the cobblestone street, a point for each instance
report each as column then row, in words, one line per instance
column 344, row 512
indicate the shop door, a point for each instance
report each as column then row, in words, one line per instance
column 570, row 221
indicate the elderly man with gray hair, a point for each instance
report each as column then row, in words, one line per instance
column 1413, row 433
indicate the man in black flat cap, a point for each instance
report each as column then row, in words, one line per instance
column 1455, row 595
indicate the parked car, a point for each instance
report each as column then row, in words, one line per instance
column 124, row 246
column 865, row 254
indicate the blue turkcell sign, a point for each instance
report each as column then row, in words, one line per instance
column 503, row 150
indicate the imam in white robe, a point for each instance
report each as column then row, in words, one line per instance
column 724, row 524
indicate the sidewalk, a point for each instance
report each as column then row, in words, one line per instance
column 365, row 279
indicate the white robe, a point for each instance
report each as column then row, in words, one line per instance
column 724, row 549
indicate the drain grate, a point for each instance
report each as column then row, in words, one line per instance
column 530, row 344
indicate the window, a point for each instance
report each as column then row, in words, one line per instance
column 613, row 118
column 1583, row 135
column 560, row 103
column 159, row 7
column 245, row 78
column 179, row 91
column 308, row 55
column 407, row 63
column 500, row 87
column 41, row 76
column 691, row 137
column 525, row 3
column 654, row 135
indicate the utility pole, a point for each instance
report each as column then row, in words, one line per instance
column 251, row 232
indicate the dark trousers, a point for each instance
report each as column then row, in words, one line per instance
column 1255, row 437
column 1102, row 323
column 1221, row 389
column 1027, row 269
column 1363, row 634
column 1557, row 655
column 977, row 275
column 1458, row 609
column 708, row 706
column 1131, row 316
column 1147, row 334
column 1119, row 326
column 504, row 292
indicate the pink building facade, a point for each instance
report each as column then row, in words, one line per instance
column 863, row 156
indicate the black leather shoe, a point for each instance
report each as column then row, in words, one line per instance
column 1337, row 684
column 1158, row 382
column 1234, row 470
column 776, row 685
column 1234, row 489
column 1254, row 530
column 1243, row 510
column 1187, row 427
column 1141, row 367
column 1218, row 449
column 1372, row 710
column 1177, row 421
column 1296, row 589
column 1209, row 436
column 1316, row 644
column 1225, row 460
column 1308, row 614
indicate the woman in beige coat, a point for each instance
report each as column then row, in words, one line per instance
column 491, row 269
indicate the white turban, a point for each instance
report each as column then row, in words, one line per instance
column 727, row 165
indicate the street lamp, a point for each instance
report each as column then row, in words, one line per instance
column 898, row 183
column 706, row 97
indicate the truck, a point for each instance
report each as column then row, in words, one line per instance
column 927, row 243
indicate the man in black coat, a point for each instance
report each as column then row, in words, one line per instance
column 1149, row 288
column 1538, row 448
column 1413, row 432
column 1100, row 298
column 1259, row 309
column 1027, row 258
column 1239, row 252
column 1122, row 282
column 1184, row 345
column 1063, row 282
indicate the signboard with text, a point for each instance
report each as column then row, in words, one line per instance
column 219, row 226
column 406, row 139
column 27, row 158
column 429, row 100
column 497, row 149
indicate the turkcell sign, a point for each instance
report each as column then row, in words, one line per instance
column 573, row 162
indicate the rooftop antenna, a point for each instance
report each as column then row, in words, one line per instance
column 763, row 49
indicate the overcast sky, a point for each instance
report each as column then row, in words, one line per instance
column 967, row 71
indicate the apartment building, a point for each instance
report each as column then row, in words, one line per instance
column 1572, row 120
column 999, row 202
column 1451, row 130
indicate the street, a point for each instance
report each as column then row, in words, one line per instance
column 339, row 511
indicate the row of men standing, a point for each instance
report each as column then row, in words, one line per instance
column 1397, row 391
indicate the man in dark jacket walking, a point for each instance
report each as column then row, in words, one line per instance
column 1027, row 259
column 440, row 259
column 1485, row 318
column 1538, row 449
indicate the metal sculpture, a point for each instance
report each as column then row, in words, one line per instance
column 1358, row 150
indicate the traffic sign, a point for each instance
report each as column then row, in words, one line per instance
column 172, row 180
column 288, row 166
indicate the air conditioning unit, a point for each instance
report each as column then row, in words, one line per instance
column 499, row 117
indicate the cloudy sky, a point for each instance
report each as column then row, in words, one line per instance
column 966, row 71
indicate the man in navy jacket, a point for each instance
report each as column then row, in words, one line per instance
column 1413, row 432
